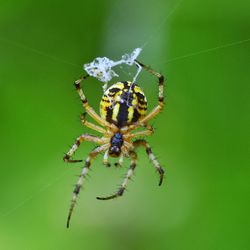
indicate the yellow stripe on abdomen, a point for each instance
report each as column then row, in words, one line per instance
column 115, row 112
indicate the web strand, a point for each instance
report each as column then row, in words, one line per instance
column 39, row 52
column 157, row 31
column 206, row 51
column 35, row 194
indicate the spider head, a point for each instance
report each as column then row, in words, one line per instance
column 116, row 144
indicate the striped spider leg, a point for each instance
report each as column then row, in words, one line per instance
column 81, row 179
column 145, row 144
column 160, row 105
column 86, row 105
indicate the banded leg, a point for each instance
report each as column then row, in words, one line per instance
column 91, row 125
column 151, row 156
column 85, row 103
column 126, row 179
column 75, row 146
column 159, row 107
column 81, row 179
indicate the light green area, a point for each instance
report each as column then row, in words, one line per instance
column 201, row 138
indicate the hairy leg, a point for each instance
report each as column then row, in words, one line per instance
column 145, row 144
column 76, row 145
column 91, row 125
column 149, row 131
column 85, row 103
column 81, row 179
column 159, row 107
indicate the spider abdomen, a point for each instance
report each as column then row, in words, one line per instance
column 123, row 104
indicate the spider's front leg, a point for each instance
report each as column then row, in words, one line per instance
column 151, row 156
column 85, row 103
column 84, row 172
column 160, row 105
column 76, row 145
column 128, row 176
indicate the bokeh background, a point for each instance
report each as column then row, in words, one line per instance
column 201, row 138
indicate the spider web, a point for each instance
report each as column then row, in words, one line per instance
column 149, row 39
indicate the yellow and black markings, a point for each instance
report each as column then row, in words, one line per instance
column 123, row 104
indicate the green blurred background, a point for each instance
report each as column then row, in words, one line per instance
column 201, row 138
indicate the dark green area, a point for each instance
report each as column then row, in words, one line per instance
column 201, row 138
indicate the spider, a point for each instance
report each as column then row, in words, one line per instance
column 122, row 109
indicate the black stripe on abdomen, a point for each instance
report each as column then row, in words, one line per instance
column 122, row 117
column 136, row 116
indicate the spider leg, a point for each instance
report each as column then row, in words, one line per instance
column 85, row 103
column 145, row 144
column 159, row 107
column 81, row 179
column 149, row 131
column 125, row 181
column 91, row 125
column 76, row 145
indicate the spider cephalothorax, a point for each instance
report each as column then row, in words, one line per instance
column 116, row 143
column 123, row 108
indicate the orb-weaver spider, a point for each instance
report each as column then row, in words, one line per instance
column 122, row 109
